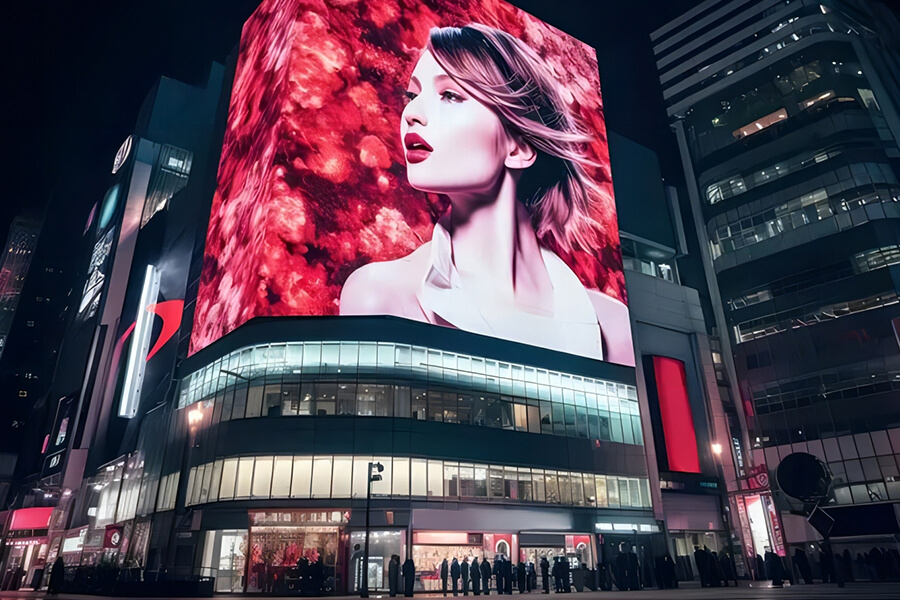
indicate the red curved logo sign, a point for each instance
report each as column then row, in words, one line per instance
column 170, row 312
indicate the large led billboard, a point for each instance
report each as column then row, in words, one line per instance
column 444, row 161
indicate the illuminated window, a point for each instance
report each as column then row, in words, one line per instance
column 419, row 477
column 289, row 380
column 868, row 99
column 229, row 477
column 342, row 476
column 773, row 324
column 244, row 478
column 810, row 102
column 301, row 479
column 760, row 124
column 262, row 477
column 321, row 482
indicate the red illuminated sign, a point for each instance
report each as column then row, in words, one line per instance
column 31, row 518
column 113, row 536
column 677, row 419
column 170, row 313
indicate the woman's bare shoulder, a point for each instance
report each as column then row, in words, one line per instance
column 384, row 287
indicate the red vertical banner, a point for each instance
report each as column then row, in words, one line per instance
column 746, row 533
column 775, row 518
column 675, row 411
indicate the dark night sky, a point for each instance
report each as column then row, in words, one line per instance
column 75, row 74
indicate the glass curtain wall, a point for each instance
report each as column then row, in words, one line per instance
column 330, row 476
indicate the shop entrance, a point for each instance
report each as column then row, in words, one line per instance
column 291, row 552
column 382, row 545
column 577, row 550
column 628, row 560
column 24, row 562
column 224, row 557
column 685, row 542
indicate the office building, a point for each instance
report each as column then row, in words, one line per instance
column 786, row 118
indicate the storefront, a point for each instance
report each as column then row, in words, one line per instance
column 430, row 548
column 72, row 546
column 578, row 549
column 685, row 542
column 282, row 552
column 25, row 549
column 383, row 543
column 643, row 538
column 764, row 523
column 224, row 557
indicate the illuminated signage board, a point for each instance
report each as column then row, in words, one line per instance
column 675, row 414
column 140, row 345
column 122, row 154
column 441, row 161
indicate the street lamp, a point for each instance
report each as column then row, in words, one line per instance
column 726, row 510
column 373, row 475
column 195, row 416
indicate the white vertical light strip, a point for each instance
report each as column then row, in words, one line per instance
column 140, row 345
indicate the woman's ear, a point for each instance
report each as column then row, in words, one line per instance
column 520, row 154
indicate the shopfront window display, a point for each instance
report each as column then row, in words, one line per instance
column 431, row 548
column 293, row 552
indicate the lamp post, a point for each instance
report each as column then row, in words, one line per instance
column 372, row 477
column 194, row 421
column 726, row 510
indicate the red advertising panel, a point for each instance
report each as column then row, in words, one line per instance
column 443, row 161
column 31, row 518
column 675, row 411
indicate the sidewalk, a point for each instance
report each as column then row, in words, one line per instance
column 874, row 591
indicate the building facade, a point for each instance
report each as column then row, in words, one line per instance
column 676, row 368
column 786, row 118
column 20, row 245
column 216, row 440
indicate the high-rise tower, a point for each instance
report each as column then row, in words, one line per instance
column 786, row 118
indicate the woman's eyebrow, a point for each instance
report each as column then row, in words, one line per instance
column 443, row 78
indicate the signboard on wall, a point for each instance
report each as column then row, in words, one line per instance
column 440, row 161
column 112, row 539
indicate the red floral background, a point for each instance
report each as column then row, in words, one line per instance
column 312, row 183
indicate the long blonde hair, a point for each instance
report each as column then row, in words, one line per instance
column 506, row 75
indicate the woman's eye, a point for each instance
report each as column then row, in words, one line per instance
column 451, row 96
column 410, row 96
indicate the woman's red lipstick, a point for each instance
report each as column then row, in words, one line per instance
column 417, row 149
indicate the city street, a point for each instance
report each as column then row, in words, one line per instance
column 877, row 591
column 325, row 298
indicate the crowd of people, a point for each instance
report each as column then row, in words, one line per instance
column 878, row 564
column 460, row 577
column 715, row 569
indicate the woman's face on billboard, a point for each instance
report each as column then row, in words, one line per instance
column 453, row 144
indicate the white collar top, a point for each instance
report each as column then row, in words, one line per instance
column 573, row 326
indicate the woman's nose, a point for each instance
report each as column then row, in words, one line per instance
column 414, row 114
